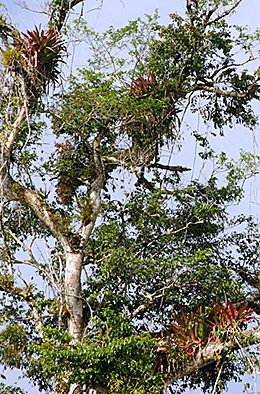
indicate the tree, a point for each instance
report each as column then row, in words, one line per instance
column 140, row 283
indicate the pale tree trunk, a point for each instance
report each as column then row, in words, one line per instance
column 73, row 294
column 74, row 310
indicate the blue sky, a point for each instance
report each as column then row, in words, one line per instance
column 118, row 13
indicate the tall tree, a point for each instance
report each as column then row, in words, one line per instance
column 139, row 282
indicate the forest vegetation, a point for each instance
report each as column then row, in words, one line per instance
column 142, row 279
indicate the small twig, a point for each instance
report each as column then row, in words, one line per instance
column 247, row 357
column 155, row 295
column 28, row 122
column 218, row 377
column 23, row 5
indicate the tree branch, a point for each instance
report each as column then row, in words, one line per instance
column 209, row 14
column 223, row 15
column 33, row 263
column 160, row 293
column 5, row 248
column 169, row 168
column 94, row 194
column 224, row 93
column 124, row 161
column 173, row 232
column 212, row 352
column 231, row 65
column 65, row 7
column 32, row 199
column 19, row 119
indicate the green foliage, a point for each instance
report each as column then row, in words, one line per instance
column 13, row 338
column 111, row 355
column 187, row 56
column 163, row 243
column 6, row 389
column 15, row 352
column 11, row 55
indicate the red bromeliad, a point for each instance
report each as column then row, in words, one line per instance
column 193, row 332
column 227, row 317
column 41, row 51
column 143, row 86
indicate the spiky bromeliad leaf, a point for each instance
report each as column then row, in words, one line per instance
column 41, row 51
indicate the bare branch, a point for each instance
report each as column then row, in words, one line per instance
column 22, row 111
column 33, row 263
column 23, row 5
column 223, row 15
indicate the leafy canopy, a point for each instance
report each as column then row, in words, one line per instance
column 163, row 242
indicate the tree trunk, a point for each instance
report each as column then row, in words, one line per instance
column 73, row 294
column 73, row 300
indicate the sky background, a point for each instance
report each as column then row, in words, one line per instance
column 117, row 13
